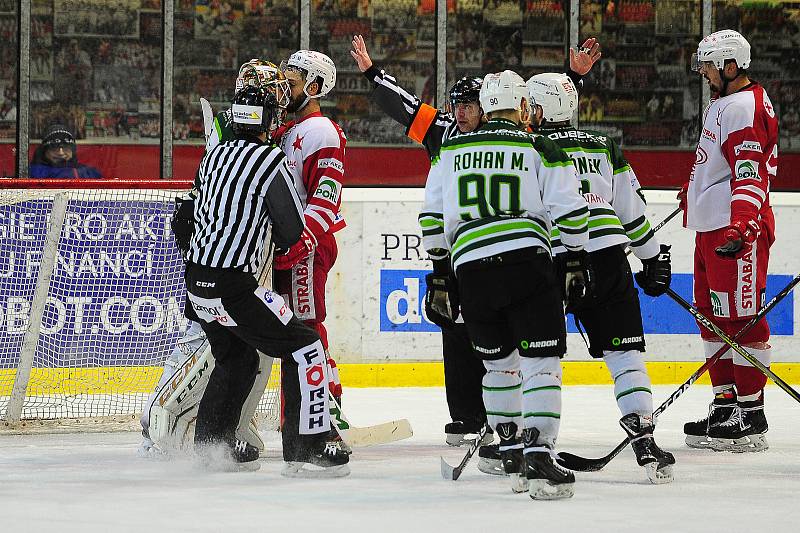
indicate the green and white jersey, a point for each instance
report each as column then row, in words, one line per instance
column 497, row 189
column 610, row 187
column 222, row 131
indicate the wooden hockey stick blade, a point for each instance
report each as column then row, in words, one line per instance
column 448, row 472
column 378, row 434
column 208, row 117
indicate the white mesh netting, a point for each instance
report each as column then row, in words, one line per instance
column 113, row 308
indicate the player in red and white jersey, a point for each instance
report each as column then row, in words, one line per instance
column 315, row 148
column 726, row 201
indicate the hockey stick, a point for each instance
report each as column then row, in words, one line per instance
column 710, row 326
column 661, row 224
column 369, row 435
column 583, row 464
column 451, row 472
column 208, row 118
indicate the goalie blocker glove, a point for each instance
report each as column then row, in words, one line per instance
column 575, row 270
column 441, row 295
column 656, row 274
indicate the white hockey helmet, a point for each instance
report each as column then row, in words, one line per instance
column 721, row 46
column 555, row 94
column 502, row 91
column 314, row 65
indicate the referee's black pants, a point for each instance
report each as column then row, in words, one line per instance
column 463, row 378
column 239, row 318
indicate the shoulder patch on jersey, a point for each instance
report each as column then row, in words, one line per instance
column 747, row 169
column 329, row 190
column 331, row 162
column 749, row 146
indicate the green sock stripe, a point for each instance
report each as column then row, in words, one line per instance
column 500, row 389
column 544, row 414
column 501, row 413
column 548, row 387
column 631, row 391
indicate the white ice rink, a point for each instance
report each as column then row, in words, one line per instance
column 95, row 482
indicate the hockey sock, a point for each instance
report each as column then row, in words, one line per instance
column 631, row 382
column 721, row 372
column 749, row 380
column 502, row 388
column 541, row 396
column 334, row 384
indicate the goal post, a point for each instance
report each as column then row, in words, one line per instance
column 91, row 302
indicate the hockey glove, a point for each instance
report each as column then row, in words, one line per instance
column 182, row 222
column 441, row 299
column 576, row 273
column 299, row 251
column 682, row 196
column 739, row 237
column 656, row 274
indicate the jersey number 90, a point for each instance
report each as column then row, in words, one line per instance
column 503, row 195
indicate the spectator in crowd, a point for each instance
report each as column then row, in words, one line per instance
column 57, row 157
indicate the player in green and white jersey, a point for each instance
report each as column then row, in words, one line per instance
column 611, row 316
column 489, row 201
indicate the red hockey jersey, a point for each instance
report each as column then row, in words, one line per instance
column 314, row 146
column 736, row 158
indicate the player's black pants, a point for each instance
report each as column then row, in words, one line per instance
column 463, row 375
column 611, row 314
column 239, row 317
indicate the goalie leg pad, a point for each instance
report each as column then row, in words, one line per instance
column 192, row 343
column 631, row 382
column 541, row 397
column 175, row 409
column 247, row 430
column 502, row 390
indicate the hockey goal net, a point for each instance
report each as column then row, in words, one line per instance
column 91, row 302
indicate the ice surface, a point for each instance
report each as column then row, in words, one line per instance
column 95, row 482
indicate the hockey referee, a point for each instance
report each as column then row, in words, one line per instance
column 245, row 186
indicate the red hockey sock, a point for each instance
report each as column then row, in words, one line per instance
column 749, row 381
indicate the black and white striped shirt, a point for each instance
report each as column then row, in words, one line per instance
column 244, row 186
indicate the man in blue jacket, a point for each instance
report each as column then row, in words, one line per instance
column 57, row 157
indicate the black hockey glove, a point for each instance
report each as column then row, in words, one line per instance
column 441, row 296
column 575, row 270
column 183, row 222
column 656, row 275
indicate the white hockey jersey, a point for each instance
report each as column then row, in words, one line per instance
column 610, row 187
column 497, row 189
column 736, row 158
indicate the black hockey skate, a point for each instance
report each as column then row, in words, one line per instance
column 744, row 431
column 719, row 411
column 489, row 460
column 322, row 460
column 228, row 457
column 511, row 456
column 546, row 480
column 459, row 433
column 657, row 462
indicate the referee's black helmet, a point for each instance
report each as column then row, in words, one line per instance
column 254, row 110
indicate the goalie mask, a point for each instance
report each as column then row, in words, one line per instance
column 259, row 73
column 255, row 110
column 555, row 94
